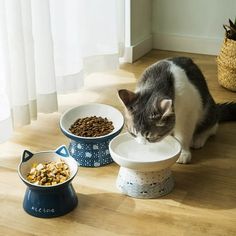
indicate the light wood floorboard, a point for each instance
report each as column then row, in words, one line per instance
column 203, row 201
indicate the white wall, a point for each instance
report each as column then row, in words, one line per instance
column 191, row 25
column 141, row 28
column 138, row 28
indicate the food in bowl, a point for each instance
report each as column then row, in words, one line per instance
column 91, row 126
column 91, row 151
column 49, row 173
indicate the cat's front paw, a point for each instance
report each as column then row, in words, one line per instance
column 198, row 143
column 185, row 157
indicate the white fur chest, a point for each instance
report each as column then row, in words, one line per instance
column 187, row 102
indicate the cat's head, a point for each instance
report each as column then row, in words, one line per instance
column 147, row 116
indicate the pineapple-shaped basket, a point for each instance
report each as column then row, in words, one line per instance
column 226, row 61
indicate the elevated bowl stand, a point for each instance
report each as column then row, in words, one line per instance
column 145, row 184
column 140, row 177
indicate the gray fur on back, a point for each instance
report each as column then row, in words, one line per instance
column 158, row 81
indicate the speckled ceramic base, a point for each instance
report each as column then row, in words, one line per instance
column 139, row 184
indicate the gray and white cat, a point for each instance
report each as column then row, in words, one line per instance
column 172, row 97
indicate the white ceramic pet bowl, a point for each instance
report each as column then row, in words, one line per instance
column 91, row 151
column 144, row 168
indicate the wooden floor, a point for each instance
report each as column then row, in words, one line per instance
column 203, row 201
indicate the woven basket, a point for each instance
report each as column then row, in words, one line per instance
column 226, row 64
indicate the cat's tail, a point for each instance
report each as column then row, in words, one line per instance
column 227, row 111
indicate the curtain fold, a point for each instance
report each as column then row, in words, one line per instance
column 45, row 76
column 47, row 47
column 5, row 99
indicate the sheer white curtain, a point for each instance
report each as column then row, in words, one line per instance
column 46, row 47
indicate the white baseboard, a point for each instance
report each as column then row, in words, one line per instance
column 132, row 53
column 210, row 46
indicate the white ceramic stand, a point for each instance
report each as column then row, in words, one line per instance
column 144, row 169
column 140, row 184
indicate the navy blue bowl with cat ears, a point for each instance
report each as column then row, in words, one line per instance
column 49, row 201
column 62, row 151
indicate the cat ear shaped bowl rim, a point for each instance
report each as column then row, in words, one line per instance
column 124, row 147
column 61, row 153
column 48, row 201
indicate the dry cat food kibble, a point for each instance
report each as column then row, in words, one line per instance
column 50, row 173
column 91, row 126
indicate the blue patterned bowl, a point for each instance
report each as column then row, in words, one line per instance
column 48, row 201
column 91, row 151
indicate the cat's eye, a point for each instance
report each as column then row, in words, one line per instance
column 160, row 124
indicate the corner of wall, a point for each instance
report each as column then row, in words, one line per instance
column 134, row 52
column 138, row 35
column 183, row 43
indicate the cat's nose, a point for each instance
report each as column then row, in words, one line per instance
column 146, row 134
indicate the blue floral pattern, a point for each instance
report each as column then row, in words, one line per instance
column 91, row 154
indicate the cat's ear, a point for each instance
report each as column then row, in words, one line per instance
column 166, row 107
column 126, row 96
